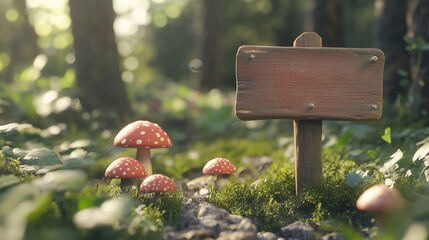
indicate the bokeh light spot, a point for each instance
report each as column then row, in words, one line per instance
column 12, row 15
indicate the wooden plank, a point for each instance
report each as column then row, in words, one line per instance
column 309, row 83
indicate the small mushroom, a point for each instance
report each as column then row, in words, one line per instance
column 143, row 135
column 125, row 168
column 382, row 200
column 157, row 183
column 219, row 167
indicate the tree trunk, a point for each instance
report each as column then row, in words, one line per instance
column 292, row 23
column 23, row 43
column 328, row 21
column 212, row 51
column 390, row 29
column 418, row 30
column 98, row 76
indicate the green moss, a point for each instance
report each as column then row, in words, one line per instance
column 11, row 166
column 179, row 164
column 169, row 204
column 8, row 165
column 272, row 202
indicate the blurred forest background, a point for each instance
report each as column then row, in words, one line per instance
column 74, row 72
column 75, row 61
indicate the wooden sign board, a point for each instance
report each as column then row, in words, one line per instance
column 309, row 83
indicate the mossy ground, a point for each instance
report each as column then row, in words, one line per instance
column 271, row 200
column 10, row 166
column 268, row 196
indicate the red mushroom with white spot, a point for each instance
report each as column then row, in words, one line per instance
column 219, row 167
column 157, row 183
column 143, row 135
column 125, row 168
column 381, row 200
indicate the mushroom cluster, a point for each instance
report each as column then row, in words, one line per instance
column 125, row 168
column 142, row 135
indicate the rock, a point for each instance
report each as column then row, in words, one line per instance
column 210, row 211
column 298, row 230
column 333, row 236
column 205, row 221
column 266, row 236
column 191, row 234
column 259, row 163
column 247, row 225
column 214, row 218
column 199, row 182
column 242, row 235
column 189, row 215
column 244, row 173
column 234, row 219
column 203, row 192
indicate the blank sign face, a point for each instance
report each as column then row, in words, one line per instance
column 309, row 83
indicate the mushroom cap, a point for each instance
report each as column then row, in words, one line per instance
column 157, row 183
column 125, row 167
column 142, row 134
column 379, row 198
column 219, row 166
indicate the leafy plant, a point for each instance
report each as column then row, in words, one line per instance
column 414, row 79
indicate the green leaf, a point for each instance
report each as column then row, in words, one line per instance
column 110, row 212
column 41, row 157
column 372, row 153
column 63, row 180
column 408, row 39
column 4, row 129
column 13, row 129
column 427, row 175
column 8, row 180
column 422, row 152
column 354, row 179
column 391, row 165
column 18, row 205
column 387, row 135
column 403, row 73
column 15, row 153
column 342, row 141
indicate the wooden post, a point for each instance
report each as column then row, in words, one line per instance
column 308, row 134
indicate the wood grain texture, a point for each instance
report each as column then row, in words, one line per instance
column 308, row 153
column 308, row 135
column 309, row 83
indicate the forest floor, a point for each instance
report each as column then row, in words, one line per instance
column 202, row 220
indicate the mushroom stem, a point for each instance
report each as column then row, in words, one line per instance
column 143, row 156
column 126, row 184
